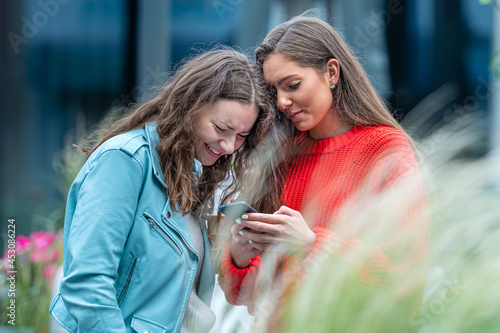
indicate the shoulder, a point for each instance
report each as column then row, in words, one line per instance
column 384, row 143
column 128, row 142
column 383, row 137
column 382, row 133
column 131, row 146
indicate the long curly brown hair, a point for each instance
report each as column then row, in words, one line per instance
column 199, row 81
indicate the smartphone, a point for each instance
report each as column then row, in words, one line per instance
column 236, row 209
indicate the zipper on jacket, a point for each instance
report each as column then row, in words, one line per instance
column 128, row 279
column 154, row 226
column 180, row 235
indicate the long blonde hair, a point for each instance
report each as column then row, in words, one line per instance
column 310, row 42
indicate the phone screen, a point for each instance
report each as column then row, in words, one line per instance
column 236, row 209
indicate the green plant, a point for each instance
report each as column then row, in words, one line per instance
column 462, row 292
column 28, row 267
column 35, row 258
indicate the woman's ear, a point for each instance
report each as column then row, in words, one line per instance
column 333, row 71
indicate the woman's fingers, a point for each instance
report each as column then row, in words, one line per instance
column 286, row 230
column 266, row 218
column 263, row 223
column 242, row 251
column 236, row 231
column 286, row 211
column 246, row 237
column 260, row 227
column 256, row 237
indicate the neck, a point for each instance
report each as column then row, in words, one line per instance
column 329, row 127
column 334, row 130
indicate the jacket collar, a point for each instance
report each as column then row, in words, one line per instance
column 153, row 139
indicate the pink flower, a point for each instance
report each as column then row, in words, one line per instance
column 38, row 256
column 45, row 256
column 49, row 271
column 43, row 239
column 23, row 244
column 42, row 248
column 56, row 254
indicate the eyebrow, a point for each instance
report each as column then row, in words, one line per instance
column 227, row 125
column 232, row 129
column 280, row 81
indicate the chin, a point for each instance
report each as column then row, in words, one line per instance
column 302, row 128
column 208, row 164
column 207, row 161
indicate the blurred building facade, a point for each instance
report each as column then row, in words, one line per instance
column 65, row 63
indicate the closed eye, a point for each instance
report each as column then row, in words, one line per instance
column 294, row 86
column 219, row 128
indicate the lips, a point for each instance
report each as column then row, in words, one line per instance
column 213, row 152
column 294, row 115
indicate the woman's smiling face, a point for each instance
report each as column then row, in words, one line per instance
column 303, row 94
column 222, row 129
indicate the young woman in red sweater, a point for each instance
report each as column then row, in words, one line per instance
column 344, row 152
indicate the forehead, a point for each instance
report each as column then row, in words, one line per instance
column 236, row 114
column 278, row 66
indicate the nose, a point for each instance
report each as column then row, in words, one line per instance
column 228, row 144
column 284, row 102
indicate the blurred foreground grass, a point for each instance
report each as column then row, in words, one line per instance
column 462, row 289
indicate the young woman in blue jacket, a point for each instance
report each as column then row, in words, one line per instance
column 136, row 258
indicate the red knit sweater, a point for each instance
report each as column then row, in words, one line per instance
column 336, row 184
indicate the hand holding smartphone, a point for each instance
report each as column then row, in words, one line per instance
column 236, row 209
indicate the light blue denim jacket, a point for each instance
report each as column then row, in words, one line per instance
column 129, row 262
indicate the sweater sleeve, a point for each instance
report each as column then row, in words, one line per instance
column 387, row 235
column 398, row 247
column 238, row 283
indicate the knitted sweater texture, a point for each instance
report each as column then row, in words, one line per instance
column 337, row 184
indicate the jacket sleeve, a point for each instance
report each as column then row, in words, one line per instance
column 106, row 202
